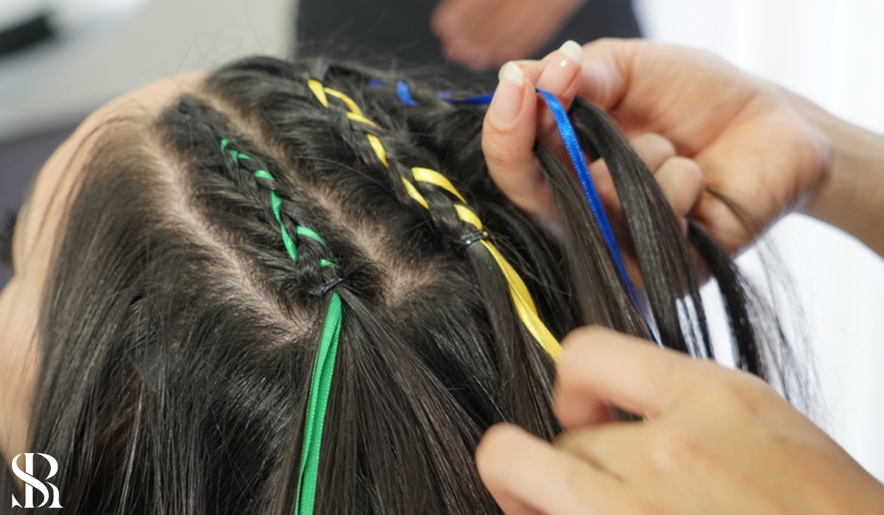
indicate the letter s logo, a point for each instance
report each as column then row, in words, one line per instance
column 31, row 482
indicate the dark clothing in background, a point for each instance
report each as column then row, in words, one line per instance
column 397, row 33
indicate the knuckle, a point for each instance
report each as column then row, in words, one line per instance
column 654, row 144
column 754, row 393
column 674, row 451
column 687, row 168
column 740, row 390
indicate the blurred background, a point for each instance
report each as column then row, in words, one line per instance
column 61, row 59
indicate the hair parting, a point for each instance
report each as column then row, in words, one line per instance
column 290, row 257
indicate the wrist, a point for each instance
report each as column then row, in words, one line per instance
column 850, row 195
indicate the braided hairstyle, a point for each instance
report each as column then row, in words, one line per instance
column 200, row 259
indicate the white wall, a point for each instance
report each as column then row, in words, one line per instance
column 63, row 82
column 831, row 51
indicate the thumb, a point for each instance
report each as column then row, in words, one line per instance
column 605, row 72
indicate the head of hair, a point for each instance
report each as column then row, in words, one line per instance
column 177, row 335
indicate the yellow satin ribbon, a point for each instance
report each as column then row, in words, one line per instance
column 522, row 300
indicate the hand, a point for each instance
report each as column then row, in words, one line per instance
column 517, row 116
column 713, row 441
column 751, row 144
column 483, row 34
column 748, row 140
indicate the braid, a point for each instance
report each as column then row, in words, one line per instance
column 211, row 259
column 497, row 280
column 323, row 369
column 519, row 293
column 375, row 363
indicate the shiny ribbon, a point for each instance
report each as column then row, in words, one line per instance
column 575, row 152
column 521, row 297
column 572, row 144
column 323, row 368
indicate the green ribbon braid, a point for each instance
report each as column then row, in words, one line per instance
column 323, row 368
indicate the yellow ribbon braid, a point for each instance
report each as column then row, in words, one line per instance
column 522, row 300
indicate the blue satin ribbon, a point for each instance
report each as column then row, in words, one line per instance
column 404, row 93
column 480, row 100
column 575, row 152
column 572, row 144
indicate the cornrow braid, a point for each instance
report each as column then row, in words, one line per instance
column 186, row 337
column 388, row 361
column 519, row 293
column 323, row 368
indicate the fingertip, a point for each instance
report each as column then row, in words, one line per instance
column 509, row 97
column 573, row 50
column 580, row 413
column 560, row 74
column 495, row 450
column 573, row 400
column 504, row 457
column 531, row 68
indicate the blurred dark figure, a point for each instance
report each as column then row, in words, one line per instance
column 468, row 39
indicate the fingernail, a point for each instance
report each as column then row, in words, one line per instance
column 573, row 51
column 512, row 73
column 508, row 98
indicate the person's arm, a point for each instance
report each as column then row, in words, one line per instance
column 852, row 197
column 766, row 150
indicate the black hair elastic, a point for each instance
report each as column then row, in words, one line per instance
column 473, row 237
column 330, row 285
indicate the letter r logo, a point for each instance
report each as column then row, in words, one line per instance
column 31, row 482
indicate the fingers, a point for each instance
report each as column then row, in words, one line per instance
column 528, row 476
column 560, row 75
column 653, row 149
column 601, row 368
column 508, row 135
column 618, row 449
column 511, row 126
column 605, row 71
column 558, row 72
column 514, row 122
column 681, row 180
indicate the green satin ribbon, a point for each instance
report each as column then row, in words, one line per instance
column 320, row 387
column 323, row 367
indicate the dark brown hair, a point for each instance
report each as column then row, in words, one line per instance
column 178, row 337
